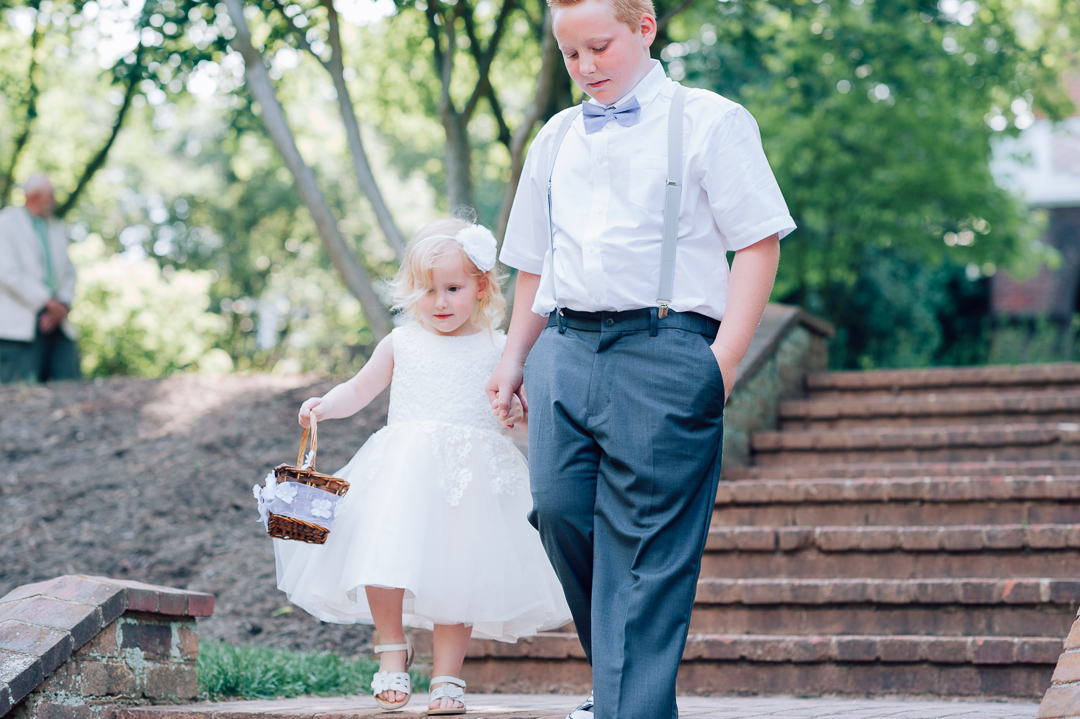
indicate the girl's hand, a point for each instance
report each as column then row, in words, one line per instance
column 314, row 404
column 515, row 414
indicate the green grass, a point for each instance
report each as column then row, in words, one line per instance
column 227, row 671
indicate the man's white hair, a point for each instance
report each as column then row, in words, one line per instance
column 37, row 184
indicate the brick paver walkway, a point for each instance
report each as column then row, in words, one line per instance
column 541, row 706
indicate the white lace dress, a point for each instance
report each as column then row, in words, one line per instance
column 437, row 505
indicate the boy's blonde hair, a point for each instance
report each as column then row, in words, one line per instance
column 430, row 244
column 628, row 12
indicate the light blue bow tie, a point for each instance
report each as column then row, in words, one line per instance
column 596, row 116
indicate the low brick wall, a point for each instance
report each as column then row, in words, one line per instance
column 76, row 646
column 788, row 345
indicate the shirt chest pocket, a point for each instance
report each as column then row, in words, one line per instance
column 647, row 179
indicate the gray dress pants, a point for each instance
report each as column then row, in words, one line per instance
column 625, row 436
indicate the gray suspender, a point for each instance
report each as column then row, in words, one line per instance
column 672, row 197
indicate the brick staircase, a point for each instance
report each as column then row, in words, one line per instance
column 903, row 532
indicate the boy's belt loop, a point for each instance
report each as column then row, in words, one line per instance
column 562, row 321
column 653, row 321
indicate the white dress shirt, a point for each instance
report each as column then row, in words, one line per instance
column 608, row 205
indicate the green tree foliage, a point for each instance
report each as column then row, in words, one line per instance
column 878, row 117
column 132, row 320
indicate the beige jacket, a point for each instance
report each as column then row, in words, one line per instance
column 23, row 292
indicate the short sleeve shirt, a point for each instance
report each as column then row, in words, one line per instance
column 608, row 205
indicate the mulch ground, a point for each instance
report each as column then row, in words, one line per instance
column 151, row 480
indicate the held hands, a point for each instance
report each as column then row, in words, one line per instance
column 515, row 415
column 503, row 388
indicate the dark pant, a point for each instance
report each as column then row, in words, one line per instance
column 625, row 430
column 48, row 357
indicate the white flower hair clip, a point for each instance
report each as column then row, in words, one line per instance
column 479, row 245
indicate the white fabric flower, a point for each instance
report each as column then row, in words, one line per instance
column 479, row 245
column 264, row 494
column 308, row 459
column 286, row 492
column 321, row 508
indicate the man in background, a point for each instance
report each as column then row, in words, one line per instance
column 37, row 286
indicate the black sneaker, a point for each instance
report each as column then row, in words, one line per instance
column 584, row 710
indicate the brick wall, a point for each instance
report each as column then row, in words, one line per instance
column 787, row 346
column 76, row 646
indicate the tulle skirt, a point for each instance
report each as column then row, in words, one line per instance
column 441, row 512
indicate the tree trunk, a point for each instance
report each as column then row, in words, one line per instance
column 273, row 117
column 7, row 178
column 545, row 82
column 458, row 161
column 364, row 177
column 98, row 160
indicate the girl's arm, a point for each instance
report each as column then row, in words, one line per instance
column 354, row 394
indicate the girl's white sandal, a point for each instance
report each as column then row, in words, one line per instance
column 452, row 688
column 393, row 681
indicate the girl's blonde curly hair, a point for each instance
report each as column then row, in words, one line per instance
column 431, row 243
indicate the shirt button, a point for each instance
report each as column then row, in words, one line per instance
column 596, row 298
column 599, row 161
column 609, row 322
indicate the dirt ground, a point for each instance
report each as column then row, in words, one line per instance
column 151, row 480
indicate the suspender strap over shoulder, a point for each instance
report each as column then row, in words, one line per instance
column 672, row 201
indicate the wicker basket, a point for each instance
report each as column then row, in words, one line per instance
column 282, row 527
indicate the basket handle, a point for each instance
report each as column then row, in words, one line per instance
column 311, row 433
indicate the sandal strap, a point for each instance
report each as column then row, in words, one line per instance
column 444, row 679
column 450, row 688
column 380, row 648
column 391, row 681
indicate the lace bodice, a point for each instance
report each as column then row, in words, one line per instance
column 441, row 379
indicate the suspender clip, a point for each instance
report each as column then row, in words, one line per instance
column 662, row 312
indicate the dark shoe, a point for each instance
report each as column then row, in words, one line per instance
column 584, row 710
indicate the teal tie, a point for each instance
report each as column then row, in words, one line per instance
column 41, row 228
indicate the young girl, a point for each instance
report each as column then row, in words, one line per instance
column 433, row 531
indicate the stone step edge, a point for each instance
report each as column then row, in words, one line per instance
column 951, row 405
column 886, row 438
column 982, row 469
column 952, row 591
column 957, row 538
column 806, row 649
column 897, row 489
column 940, row 377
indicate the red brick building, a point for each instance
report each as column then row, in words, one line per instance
column 1050, row 181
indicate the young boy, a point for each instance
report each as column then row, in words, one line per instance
column 628, row 366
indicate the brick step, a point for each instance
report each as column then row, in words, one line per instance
column 1001, row 470
column 1051, row 550
column 899, row 501
column 742, row 663
column 835, row 385
column 954, row 621
column 939, row 607
column 1015, row 442
column 1055, row 406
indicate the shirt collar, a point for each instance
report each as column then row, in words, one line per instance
column 646, row 89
